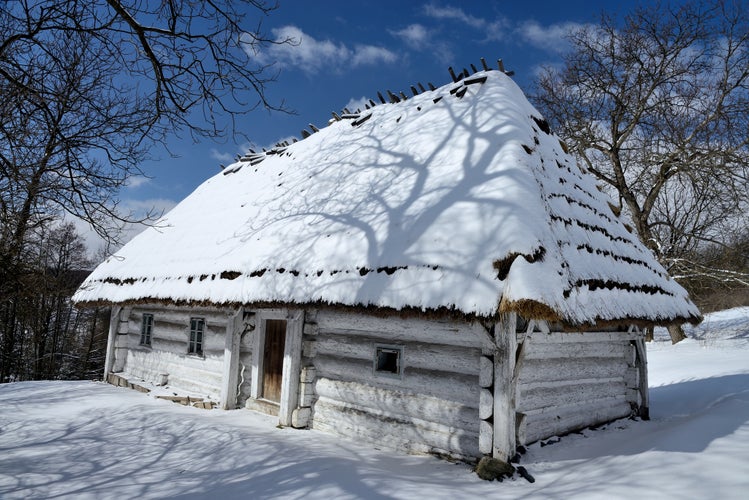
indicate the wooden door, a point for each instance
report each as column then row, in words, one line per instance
column 275, row 341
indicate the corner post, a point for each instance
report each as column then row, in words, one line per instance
column 231, row 360
column 642, row 367
column 504, row 442
column 114, row 325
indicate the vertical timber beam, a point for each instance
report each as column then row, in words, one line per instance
column 504, row 443
column 642, row 367
column 114, row 325
column 231, row 360
column 292, row 360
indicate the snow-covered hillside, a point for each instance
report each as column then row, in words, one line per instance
column 92, row 440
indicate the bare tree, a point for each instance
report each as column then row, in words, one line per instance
column 89, row 86
column 657, row 107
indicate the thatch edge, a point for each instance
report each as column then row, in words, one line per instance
column 528, row 309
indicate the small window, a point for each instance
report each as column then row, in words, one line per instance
column 145, row 329
column 388, row 361
column 195, row 346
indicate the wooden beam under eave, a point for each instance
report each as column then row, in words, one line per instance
column 114, row 325
column 504, row 438
column 642, row 367
column 291, row 373
column 230, row 374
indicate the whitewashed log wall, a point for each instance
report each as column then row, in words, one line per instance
column 433, row 408
column 442, row 404
column 568, row 381
column 167, row 358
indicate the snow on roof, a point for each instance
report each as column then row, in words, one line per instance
column 458, row 198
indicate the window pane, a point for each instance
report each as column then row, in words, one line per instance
column 388, row 360
column 145, row 329
column 195, row 345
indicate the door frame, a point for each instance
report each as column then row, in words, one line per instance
column 292, row 357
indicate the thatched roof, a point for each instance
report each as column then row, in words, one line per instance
column 459, row 198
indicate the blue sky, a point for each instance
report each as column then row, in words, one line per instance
column 350, row 49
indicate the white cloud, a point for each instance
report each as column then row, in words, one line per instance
column 370, row 54
column 137, row 181
column 312, row 55
column 552, row 37
column 455, row 13
column 415, row 35
column 124, row 232
column 223, row 157
column 354, row 104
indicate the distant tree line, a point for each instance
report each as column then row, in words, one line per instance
column 42, row 335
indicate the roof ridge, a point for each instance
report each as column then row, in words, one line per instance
column 345, row 114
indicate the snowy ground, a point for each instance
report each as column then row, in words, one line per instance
column 92, row 440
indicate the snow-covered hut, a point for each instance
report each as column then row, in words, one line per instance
column 433, row 274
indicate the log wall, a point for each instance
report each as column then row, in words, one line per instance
column 568, row 381
column 443, row 402
column 167, row 360
column 432, row 408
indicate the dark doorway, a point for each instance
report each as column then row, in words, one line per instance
column 275, row 340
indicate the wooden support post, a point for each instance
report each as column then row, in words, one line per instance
column 231, row 360
column 292, row 358
column 642, row 367
column 504, row 388
column 114, row 325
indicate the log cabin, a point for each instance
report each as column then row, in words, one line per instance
column 434, row 274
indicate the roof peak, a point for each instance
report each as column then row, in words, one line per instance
column 255, row 157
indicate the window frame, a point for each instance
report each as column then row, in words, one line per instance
column 146, row 330
column 196, row 336
column 398, row 350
